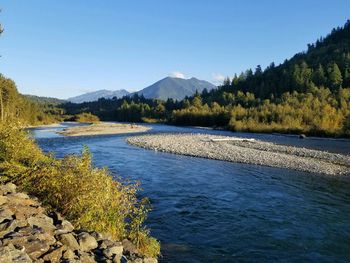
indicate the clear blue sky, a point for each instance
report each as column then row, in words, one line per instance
column 65, row 48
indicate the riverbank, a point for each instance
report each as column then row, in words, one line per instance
column 28, row 233
column 234, row 149
column 103, row 128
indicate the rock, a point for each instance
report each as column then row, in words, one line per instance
column 20, row 195
column 42, row 221
column 56, row 217
column 9, row 254
column 106, row 243
column 8, row 227
column 87, row 258
column 68, row 254
column 55, row 254
column 3, row 199
column 97, row 236
column 150, row 260
column 129, row 248
column 87, row 242
column 23, row 208
column 5, row 214
column 32, row 246
column 27, row 234
column 69, row 240
column 64, row 227
column 7, row 188
column 116, row 249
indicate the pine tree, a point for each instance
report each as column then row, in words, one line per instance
column 334, row 76
column 319, row 77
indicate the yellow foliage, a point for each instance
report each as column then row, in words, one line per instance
column 87, row 196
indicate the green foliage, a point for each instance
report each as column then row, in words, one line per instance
column 89, row 197
column 86, row 117
column 16, row 107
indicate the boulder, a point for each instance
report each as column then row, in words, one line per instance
column 3, row 199
column 129, row 248
column 54, row 255
column 7, row 188
column 98, row 236
column 5, row 214
column 69, row 240
column 42, row 221
column 116, row 249
column 64, row 227
column 31, row 245
column 9, row 254
column 105, row 243
column 10, row 226
column 87, row 258
column 68, row 254
column 87, row 242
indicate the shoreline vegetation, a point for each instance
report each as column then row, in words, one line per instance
column 89, row 197
column 103, row 128
column 249, row 151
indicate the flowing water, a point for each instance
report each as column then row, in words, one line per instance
column 214, row 211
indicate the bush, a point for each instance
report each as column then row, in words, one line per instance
column 89, row 197
column 86, row 117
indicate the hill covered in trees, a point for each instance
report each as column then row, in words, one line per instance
column 309, row 93
column 28, row 110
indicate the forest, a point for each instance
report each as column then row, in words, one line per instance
column 309, row 93
column 27, row 110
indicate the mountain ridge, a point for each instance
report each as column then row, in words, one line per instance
column 95, row 95
column 168, row 87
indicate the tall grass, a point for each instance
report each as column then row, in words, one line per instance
column 87, row 196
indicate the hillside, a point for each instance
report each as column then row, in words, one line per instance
column 95, row 95
column 175, row 88
column 325, row 63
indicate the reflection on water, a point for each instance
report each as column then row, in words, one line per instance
column 214, row 211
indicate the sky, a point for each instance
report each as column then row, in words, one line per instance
column 66, row 48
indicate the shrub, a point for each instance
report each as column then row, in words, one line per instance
column 89, row 197
column 86, row 117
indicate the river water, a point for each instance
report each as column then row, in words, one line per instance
column 214, row 211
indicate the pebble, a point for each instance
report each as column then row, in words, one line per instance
column 242, row 151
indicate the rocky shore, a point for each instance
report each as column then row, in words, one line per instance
column 103, row 128
column 246, row 151
column 29, row 234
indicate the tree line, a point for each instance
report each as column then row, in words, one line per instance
column 309, row 93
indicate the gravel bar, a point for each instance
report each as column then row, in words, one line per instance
column 239, row 150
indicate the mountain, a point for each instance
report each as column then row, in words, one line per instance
column 95, row 95
column 175, row 88
column 44, row 100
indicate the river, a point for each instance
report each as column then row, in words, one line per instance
column 214, row 211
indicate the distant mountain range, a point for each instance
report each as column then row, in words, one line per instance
column 95, row 95
column 169, row 87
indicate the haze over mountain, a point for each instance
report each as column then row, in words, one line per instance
column 169, row 87
column 95, row 95
column 175, row 88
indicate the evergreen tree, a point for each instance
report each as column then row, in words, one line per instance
column 334, row 76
